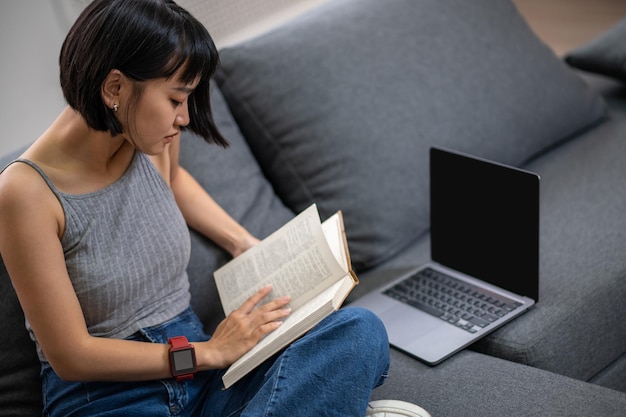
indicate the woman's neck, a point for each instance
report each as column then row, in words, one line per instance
column 77, row 158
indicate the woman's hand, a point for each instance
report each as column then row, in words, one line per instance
column 243, row 328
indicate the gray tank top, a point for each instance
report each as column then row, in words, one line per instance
column 126, row 249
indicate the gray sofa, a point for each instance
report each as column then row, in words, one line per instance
column 340, row 106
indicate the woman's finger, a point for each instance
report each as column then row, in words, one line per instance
column 255, row 299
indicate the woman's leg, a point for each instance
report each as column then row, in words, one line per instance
column 91, row 399
column 330, row 371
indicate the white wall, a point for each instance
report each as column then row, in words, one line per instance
column 30, row 96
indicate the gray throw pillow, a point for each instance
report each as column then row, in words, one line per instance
column 341, row 105
column 233, row 178
column 605, row 55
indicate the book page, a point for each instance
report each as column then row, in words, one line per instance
column 335, row 236
column 296, row 260
column 294, row 326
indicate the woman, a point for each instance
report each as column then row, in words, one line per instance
column 93, row 232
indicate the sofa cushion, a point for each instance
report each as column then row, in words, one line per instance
column 341, row 105
column 19, row 365
column 233, row 178
column 471, row 384
column 604, row 55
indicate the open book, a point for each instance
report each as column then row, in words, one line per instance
column 305, row 259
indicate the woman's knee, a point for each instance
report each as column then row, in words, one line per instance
column 367, row 340
column 363, row 325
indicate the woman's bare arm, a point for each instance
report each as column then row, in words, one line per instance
column 201, row 211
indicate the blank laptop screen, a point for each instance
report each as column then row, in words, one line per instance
column 485, row 220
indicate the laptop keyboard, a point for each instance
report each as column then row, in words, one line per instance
column 462, row 304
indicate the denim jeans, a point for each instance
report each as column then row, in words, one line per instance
column 328, row 372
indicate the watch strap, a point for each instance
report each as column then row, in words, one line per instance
column 178, row 342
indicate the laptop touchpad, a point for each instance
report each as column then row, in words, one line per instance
column 405, row 327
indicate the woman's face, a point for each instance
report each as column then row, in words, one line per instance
column 160, row 113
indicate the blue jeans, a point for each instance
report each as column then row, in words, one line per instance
column 330, row 371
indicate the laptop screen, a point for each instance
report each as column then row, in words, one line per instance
column 485, row 220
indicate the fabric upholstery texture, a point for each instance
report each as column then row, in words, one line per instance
column 19, row 365
column 604, row 55
column 613, row 376
column 485, row 386
column 341, row 105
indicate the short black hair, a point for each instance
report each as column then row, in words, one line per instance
column 144, row 39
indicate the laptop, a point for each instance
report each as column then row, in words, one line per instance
column 484, row 268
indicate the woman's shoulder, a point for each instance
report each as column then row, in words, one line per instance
column 25, row 193
column 21, row 177
column 25, row 174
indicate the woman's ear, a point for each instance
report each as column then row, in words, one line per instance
column 111, row 87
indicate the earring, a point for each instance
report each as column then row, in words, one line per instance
column 115, row 107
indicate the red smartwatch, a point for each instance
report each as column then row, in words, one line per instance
column 182, row 358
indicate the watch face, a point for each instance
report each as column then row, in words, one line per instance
column 183, row 361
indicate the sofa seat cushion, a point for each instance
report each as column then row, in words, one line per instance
column 613, row 376
column 341, row 105
column 472, row 384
